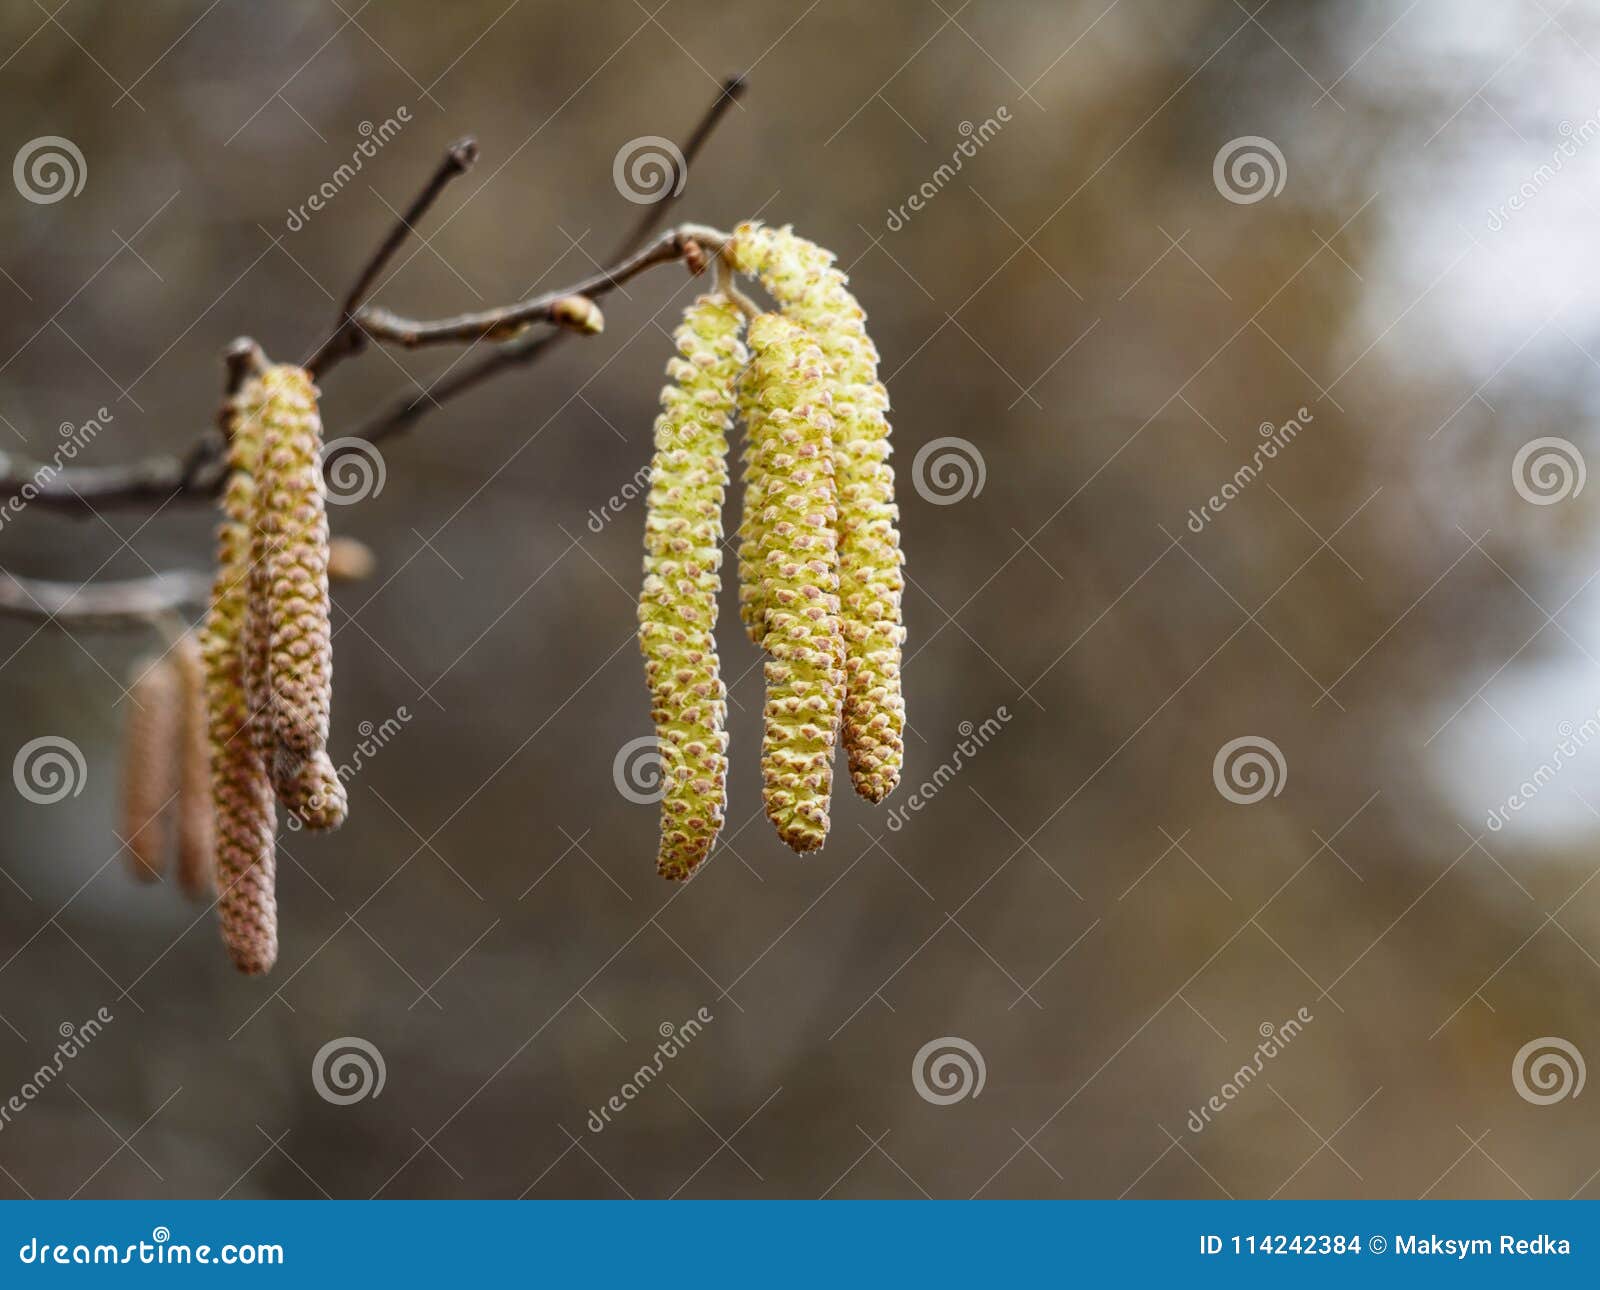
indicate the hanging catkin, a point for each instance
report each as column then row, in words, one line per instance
column 812, row 292
column 682, row 563
column 752, row 523
column 790, row 431
column 196, row 838
column 294, row 522
column 288, row 631
column 241, row 791
column 149, row 765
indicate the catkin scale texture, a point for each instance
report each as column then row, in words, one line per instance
column 790, row 431
column 196, row 836
column 241, row 791
column 149, row 764
column 682, row 564
column 293, row 523
column 801, row 277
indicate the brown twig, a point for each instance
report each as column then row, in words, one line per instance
column 199, row 472
column 347, row 337
column 138, row 599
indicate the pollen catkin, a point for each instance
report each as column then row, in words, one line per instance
column 312, row 789
column 790, row 429
column 294, row 524
column 682, row 563
column 196, row 837
column 241, row 791
column 752, row 529
column 149, row 765
column 801, row 277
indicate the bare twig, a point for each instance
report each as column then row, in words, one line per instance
column 508, row 321
column 135, row 598
column 198, row 474
column 347, row 336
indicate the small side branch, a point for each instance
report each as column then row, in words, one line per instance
column 137, row 599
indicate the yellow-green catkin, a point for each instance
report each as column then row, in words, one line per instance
column 149, row 765
column 752, row 526
column 241, row 790
column 682, row 576
column 790, row 431
column 802, row 278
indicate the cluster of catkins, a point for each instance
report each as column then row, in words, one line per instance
column 820, row 578
column 268, row 654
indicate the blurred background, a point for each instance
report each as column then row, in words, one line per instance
column 1218, row 722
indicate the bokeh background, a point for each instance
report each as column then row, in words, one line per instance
column 1399, row 605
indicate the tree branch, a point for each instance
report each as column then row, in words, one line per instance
column 198, row 474
column 134, row 598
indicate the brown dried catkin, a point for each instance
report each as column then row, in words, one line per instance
column 196, row 835
column 149, row 765
column 241, row 791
